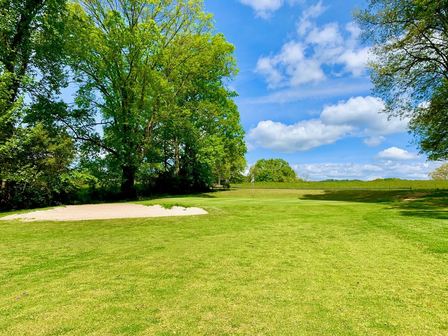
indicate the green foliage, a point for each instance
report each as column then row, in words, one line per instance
column 430, row 125
column 440, row 173
column 154, row 73
column 411, row 64
column 31, row 50
column 273, row 170
column 34, row 169
column 35, row 153
column 152, row 107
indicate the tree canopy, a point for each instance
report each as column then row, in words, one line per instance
column 154, row 74
column 152, row 109
column 410, row 64
column 34, row 159
column 30, row 60
column 272, row 170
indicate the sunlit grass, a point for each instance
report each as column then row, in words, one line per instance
column 263, row 262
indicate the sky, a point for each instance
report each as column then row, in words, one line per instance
column 305, row 94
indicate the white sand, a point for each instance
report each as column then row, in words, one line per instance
column 104, row 211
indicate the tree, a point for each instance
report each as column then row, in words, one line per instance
column 36, row 166
column 440, row 173
column 273, row 170
column 34, row 159
column 30, row 41
column 410, row 64
column 430, row 125
column 144, row 68
column 202, row 123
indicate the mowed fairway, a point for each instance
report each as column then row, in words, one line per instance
column 263, row 262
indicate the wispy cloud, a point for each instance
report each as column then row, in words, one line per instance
column 374, row 141
column 418, row 170
column 306, row 21
column 265, row 8
column 303, row 58
column 329, row 89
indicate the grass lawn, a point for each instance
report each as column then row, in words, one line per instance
column 263, row 262
column 382, row 184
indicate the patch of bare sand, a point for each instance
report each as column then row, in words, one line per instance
column 104, row 211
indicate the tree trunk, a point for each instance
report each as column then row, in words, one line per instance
column 176, row 159
column 128, row 190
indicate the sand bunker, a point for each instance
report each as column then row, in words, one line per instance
column 104, row 211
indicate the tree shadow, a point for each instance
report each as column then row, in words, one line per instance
column 208, row 194
column 364, row 196
column 432, row 205
column 426, row 204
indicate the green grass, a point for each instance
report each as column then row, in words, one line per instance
column 263, row 262
column 385, row 184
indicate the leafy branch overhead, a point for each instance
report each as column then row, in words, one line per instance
column 410, row 65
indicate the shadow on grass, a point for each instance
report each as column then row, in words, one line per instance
column 208, row 194
column 432, row 205
column 427, row 204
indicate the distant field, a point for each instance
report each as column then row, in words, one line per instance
column 367, row 185
column 263, row 262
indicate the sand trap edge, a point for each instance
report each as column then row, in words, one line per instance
column 103, row 212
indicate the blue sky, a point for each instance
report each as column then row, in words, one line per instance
column 305, row 94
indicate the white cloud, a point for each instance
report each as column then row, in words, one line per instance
column 374, row 141
column 364, row 113
column 354, row 30
column 312, row 12
column 328, row 35
column 369, row 171
column 264, row 8
column 290, row 64
column 396, row 154
column 267, row 67
column 355, row 61
column 332, row 88
column 359, row 116
column 302, row 59
column 301, row 136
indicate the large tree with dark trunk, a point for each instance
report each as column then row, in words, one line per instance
column 128, row 57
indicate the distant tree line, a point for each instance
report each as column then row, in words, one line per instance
column 441, row 173
column 151, row 110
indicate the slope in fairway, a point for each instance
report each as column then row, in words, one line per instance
column 263, row 262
